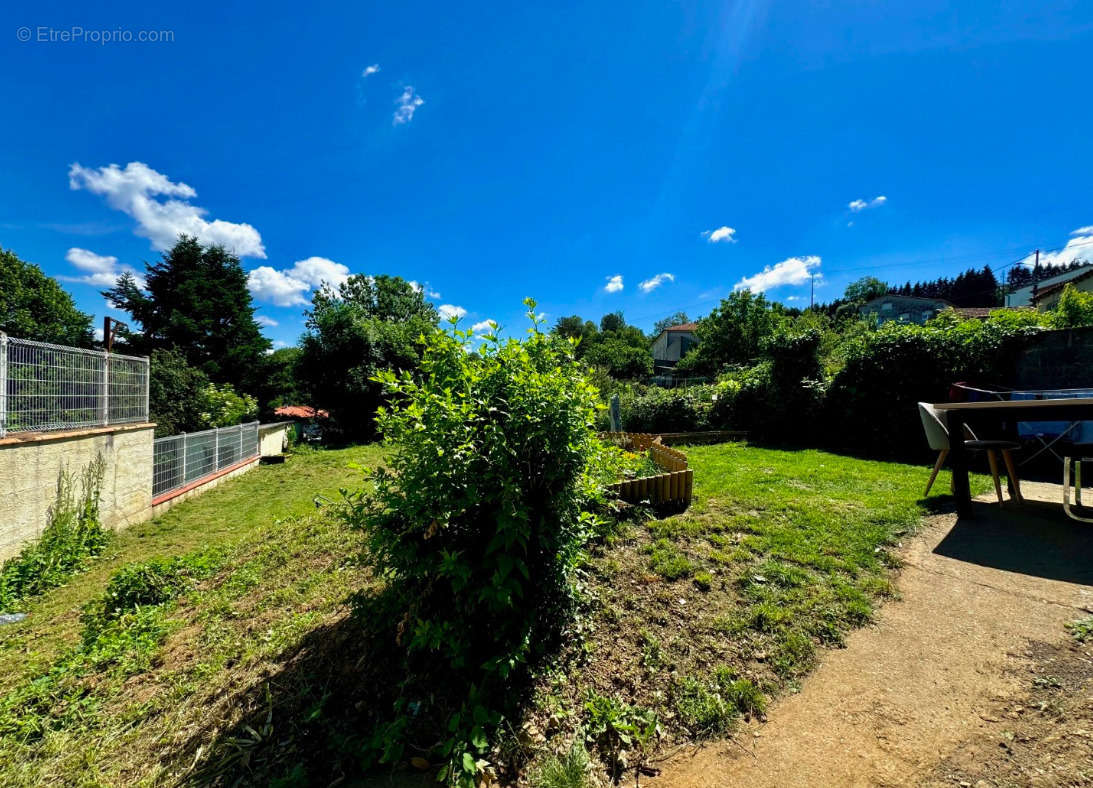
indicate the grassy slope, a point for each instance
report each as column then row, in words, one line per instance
column 283, row 578
column 780, row 554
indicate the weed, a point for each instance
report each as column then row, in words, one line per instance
column 701, row 707
column 703, row 581
column 1081, row 630
column 568, row 770
column 72, row 534
column 615, row 727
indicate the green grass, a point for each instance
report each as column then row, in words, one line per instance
column 781, row 554
column 119, row 676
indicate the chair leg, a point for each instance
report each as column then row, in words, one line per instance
column 1011, row 471
column 992, row 460
column 941, row 455
column 1066, row 493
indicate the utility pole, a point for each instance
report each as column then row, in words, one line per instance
column 1035, row 278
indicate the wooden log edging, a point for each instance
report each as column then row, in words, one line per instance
column 673, row 488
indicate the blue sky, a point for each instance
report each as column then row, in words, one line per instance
column 493, row 153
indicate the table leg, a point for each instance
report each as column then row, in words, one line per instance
column 958, row 460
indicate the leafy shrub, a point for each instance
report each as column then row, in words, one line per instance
column 614, row 727
column 1075, row 309
column 655, row 409
column 72, row 534
column 477, row 523
column 145, row 584
column 870, row 404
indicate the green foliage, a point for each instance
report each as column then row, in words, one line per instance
column 569, row 770
column 147, row 583
column 734, row 333
column 122, row 631
column 72, row 534
column 667, row 561
column 34, row 306
column 477, row 522
column 283, row 384
column 365, row 326
column 678, row 319
column 655, row 409
column 176, row 393
column 196, row 301
column 620, row 350
column 870, row 404
column 1081, row 630
column 223, row 407
column 615, row 728
column 1075, row 308
column 865, row 289
column 710, row 707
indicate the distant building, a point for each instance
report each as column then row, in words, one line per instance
column 1023, row 296
column 905, row 309
column 671, row 345
column 1047, row 295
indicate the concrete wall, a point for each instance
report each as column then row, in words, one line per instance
column 273, row 438
column 30, row 465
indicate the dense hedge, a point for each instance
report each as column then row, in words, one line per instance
column 867, row 404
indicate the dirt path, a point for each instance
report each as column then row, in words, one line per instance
column 938, row 682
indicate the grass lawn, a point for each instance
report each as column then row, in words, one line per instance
column 281, row 573
column 704, row 616
column 254, row 670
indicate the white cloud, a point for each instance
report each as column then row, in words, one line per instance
column 268, row 322
column 448, row 311
column 161, row 208
column 860, row 205
column 98, row 334
column 424, row 288
column 370, row 70
column 614, row 283
column 100, row 270
column 792, row 271
column 276, row 287
column 484, row 326
column 288, row 287
column 407, row 105
column 652, row 284
column 1078, row 247
column 722, row 234
column 794, row 298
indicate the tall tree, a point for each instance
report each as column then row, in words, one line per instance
column 678, row 319
column 34, row 306
column 865, row 289
column 354, row 331
column 734, row 333
column 196, row 301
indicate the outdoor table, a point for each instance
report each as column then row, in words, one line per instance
column 987, row 419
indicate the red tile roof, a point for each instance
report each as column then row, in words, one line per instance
column 301, row 412
column 683, row 327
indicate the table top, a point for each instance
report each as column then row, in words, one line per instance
column 1017, row 404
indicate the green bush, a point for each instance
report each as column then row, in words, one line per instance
column 478, row 525
column 871, row 403
column 654, row 409
column 72, row 534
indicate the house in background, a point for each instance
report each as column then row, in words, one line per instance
column 1026, row 296
column 671, row 345
column 905, row 309
column 1047, row 295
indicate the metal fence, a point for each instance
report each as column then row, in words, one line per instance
column 53, row 387
column 183, row 459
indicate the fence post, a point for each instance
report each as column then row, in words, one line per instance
column 147, row 385
column 183, row 458
column 240, row 455
column 105, row 388
column 3, row 384
column 216, row 449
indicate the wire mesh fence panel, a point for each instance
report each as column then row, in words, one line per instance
column 167, row 464
column 181, row 460
column 52, row 387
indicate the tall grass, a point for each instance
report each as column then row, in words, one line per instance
column 73, row 533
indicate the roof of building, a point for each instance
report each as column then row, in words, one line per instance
column 975, row 311
column 1051, row 281
column 1080, row 273
column 905, row 298
column 683, row 327
column 301, row 412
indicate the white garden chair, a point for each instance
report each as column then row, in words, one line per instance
column 937, row 435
